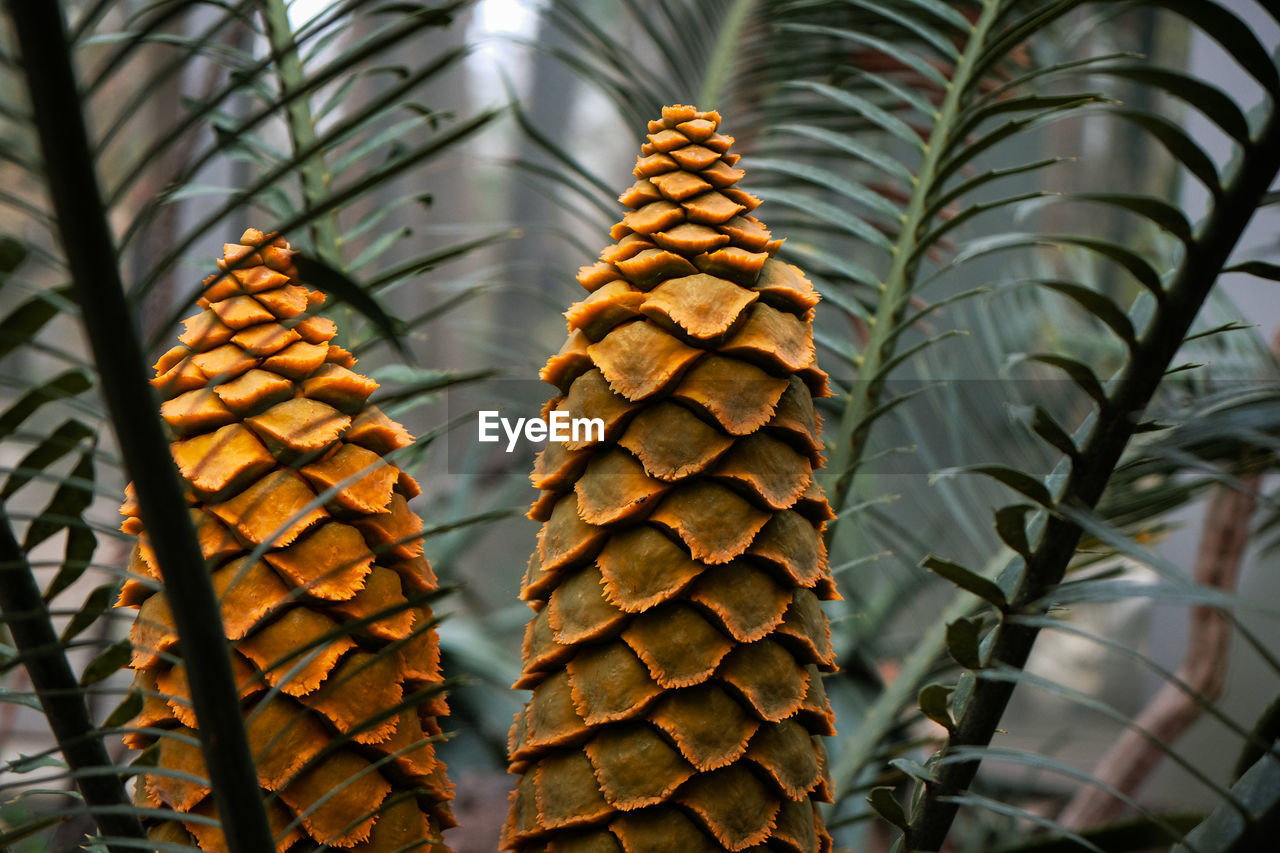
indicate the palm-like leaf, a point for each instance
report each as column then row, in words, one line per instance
column 258, row 82
column 895, row 140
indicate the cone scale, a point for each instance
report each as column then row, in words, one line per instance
column 676, row 651
column 333, row 644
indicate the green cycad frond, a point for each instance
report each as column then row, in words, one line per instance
column 916, row 154
column 197, row 117
column 1152, row 330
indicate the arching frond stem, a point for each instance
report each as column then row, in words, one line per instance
column 1116, row 422
column 302, row 132
column 895, row 290
column 720, row 63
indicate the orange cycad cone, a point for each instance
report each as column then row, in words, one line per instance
column 333, row 644
column 676, row 651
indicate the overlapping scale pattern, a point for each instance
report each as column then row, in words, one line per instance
column 676, row 651
column 317, row 562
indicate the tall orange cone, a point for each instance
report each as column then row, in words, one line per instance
column 676, row 653
column 334, row 647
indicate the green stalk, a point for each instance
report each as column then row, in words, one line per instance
column 61, row 698
column 92, row 260
column 895, row 290
column 721, row 64
column 1132, row 391
column 325, row 239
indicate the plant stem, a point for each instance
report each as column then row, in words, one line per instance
column 93, row 263
column 302, row 131
column 895, row 290
column 720, row 64
column 1115, row 425
column 62, row 700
